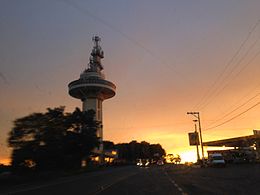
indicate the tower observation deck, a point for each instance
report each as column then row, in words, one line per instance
column 92, row 88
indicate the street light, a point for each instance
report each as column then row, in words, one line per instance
column 197, row 115
column 197, row 140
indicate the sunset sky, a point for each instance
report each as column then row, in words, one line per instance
column 166, row 58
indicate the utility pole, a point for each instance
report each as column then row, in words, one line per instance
column 197, row 141
column 197, row 115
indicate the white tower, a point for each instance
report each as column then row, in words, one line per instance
column 93, row 89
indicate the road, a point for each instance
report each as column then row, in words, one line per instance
column 233, row 179
column 167, row 179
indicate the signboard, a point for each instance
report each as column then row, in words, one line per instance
column 256, row 132
column 194, row 139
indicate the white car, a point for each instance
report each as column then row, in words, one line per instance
column 143, row 162
column 217, row 160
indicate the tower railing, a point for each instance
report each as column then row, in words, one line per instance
column 92, row 81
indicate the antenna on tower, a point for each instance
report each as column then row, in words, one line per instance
column 96, row 40
column 96, row 55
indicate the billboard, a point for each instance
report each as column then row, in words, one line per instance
column 256, row 132
column 194, row 139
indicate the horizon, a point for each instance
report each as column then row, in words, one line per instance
column 166, row 59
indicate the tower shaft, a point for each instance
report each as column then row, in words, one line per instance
column 93, row 89
column 96, row 105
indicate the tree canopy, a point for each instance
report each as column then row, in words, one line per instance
column 54, row 139
column 134, row 150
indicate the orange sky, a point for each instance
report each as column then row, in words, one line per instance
column 163, row 57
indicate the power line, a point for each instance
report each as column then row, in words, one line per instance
column 247, row 101
column 233, row 117
column 123, row 34
column 217, row 90
column 240, row 106
column 227, row 84
column 211, row 89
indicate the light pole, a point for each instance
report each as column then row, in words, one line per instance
column 197, row 140
column 197, row 115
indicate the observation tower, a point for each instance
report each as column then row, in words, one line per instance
column 92, row 88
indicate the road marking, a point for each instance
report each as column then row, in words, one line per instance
column 105, row 187
column 175, row 184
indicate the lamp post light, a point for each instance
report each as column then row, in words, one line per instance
column 197, row 115
column 197, row 140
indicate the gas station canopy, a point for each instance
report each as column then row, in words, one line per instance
column 244, row 141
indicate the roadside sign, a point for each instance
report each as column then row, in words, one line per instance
column 194, row 139
column 256, row 132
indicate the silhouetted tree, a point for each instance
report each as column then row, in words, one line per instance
column 134, row 150
column 53, row 140
column 170, row 157
column 156, row 151
column 108, row 145
column 34, row 139
column 123, row 151
column 81, row 138
column 145, row 150
column 177, row 159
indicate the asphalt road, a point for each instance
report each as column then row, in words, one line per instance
column 233, row 179
column 159, row 180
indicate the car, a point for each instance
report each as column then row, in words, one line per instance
column 143, row 162
column 216, row 160
column 160, row 162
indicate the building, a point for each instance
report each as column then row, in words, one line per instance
column 92, row 89
column 245, row 148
